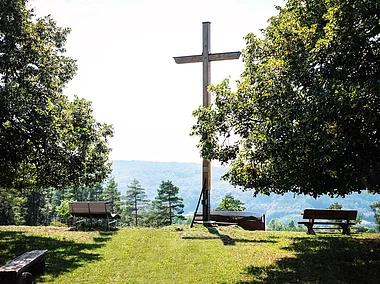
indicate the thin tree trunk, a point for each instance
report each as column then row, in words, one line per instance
column 170, row 211
column 136, row 211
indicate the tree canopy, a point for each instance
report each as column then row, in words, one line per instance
column 305, row 115
column 46, row 140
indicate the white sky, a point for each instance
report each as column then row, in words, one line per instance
column 125, row 53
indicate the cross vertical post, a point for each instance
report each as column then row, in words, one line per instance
column 206, row 164
column 206, row 57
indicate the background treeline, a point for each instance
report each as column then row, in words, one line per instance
column 51, row 207
column 187, row 176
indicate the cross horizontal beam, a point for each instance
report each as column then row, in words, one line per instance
column 211, row 57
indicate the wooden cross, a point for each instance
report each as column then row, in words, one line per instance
column 206, row 57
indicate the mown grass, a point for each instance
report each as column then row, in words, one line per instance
column 197, row 255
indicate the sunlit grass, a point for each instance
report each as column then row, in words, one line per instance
column 197, row 255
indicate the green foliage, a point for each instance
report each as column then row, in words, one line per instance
column 292, row 226
column 371, row 231
column 39, row 210
column 186, row 177
column 335, row 205
column 304, row 118
column 63, row 211
column 167, row 206
column 44, row 207
column 229, row 203
column 376, row 209
column 275, row 225
column 12, row 207
column 46, row 141
column 112, row 195
column 135, row 203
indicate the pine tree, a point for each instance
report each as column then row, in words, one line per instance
column 168, row 205
column 39, row 208
column 135, row 202
column 112, row 195
column 12, row 207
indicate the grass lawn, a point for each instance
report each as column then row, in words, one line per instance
column 197, row 255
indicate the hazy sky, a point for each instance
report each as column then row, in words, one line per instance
column 125, row 53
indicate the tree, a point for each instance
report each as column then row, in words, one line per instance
column 292, row 226
column 12, row 207
column 168, row 205
column 38, row 209
column 335, row 205
column 376, row 209
column 45, row 139
column 135, row 201
column 112, row 196
column 63, row 211
column 304, row 117
column 275, row 225
column 229, row 203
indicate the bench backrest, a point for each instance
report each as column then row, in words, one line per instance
column 90, row 209
column 330, row 214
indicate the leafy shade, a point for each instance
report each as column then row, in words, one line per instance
column 45, row 140
column 305, row 116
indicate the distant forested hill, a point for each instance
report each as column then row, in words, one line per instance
column 187, row 176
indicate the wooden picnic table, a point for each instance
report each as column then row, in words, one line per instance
column 341, row 218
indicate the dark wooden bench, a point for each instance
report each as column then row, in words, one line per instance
column 341, row 218
column 24, row 268
column 97, row 210
column 246, row 220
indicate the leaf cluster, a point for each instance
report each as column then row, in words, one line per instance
column 305, row 116
column 45, row 139
column 230, row 203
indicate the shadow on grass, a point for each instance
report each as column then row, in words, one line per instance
column 324, row 259
column 226, row 240
column 214, row 234
column 62, row 256
column 229, row 241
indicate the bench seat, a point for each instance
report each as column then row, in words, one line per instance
column 31, row 262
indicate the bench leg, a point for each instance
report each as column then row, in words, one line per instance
column 310, row 230
column 38, row 268
column 345, row 229
column 25, row 278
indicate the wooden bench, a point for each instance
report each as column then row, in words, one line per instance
column 23, row 269
column 97, row 210
column 246, row 220
column 340, row 218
